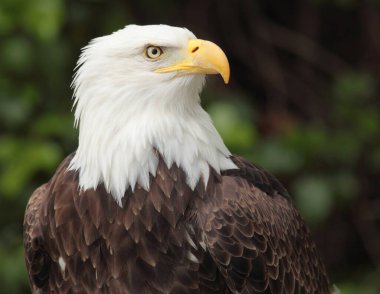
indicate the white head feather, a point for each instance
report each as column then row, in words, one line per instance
column 126, row 111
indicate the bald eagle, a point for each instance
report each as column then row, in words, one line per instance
column 152, row 201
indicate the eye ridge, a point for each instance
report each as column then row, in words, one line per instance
column 153, row 52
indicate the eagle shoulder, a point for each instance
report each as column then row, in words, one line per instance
column 257, row 238
column 36, row 221
column 37, row 261
column 257, row 176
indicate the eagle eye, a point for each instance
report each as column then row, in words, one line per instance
column 153, row 52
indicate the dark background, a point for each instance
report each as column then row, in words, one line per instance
column 303, row 102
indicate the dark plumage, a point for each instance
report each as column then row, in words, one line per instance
column 240, row 234
column 152, row 200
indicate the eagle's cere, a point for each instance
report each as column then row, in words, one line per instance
column 152, row 201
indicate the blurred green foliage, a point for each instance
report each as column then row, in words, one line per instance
column 322, row 160
column 323, row 157
column 36, row 130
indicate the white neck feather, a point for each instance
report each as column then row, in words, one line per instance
column 120, row 131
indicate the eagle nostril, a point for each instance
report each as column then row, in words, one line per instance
column 195, row 49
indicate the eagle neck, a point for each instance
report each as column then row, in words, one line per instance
column 120, row 142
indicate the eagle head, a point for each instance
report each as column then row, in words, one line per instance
column 137, row 98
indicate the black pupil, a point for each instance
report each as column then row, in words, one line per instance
column 154, row 51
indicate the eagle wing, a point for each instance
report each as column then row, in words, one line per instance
column 258, row 239
column 36, row 259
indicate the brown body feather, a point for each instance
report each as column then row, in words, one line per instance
column 239, row 234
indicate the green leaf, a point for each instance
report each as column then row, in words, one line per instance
column 345, row 186
column 6, row 21
column 26, row 159
column 354, row 87
column 60, row 125
column 277, row 157
column 314, row 198
column 236, row 129
column 43, row 18
column 12, row 269
column 16, row 107
column 343, row 148
column 16, row 54
column 310, row 141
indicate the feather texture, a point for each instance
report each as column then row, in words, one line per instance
column 152, row 200
column 239, row 234
column 126, row 113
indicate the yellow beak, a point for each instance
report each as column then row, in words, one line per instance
column 203, row 57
